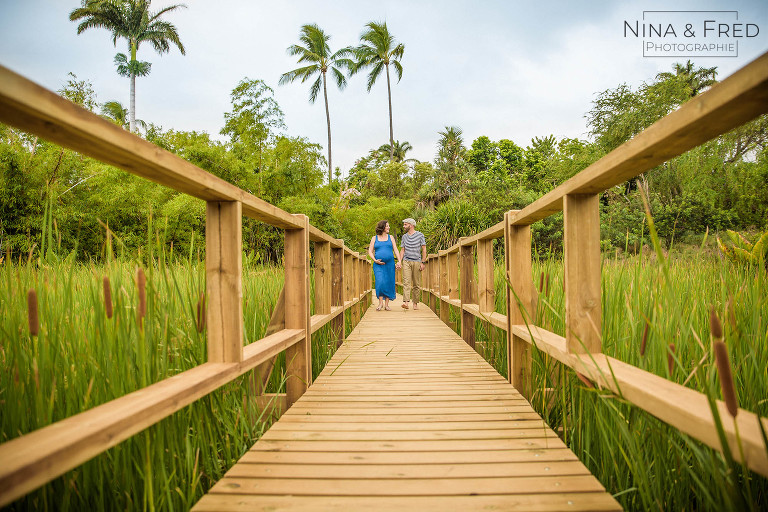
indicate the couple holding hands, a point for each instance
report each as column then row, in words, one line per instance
column 383, row 251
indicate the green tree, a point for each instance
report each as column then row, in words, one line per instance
column 255, row 116
column 133, row 21
column 397, row 152
column 318, row 54
column 378, row 50
column 695, row 80
column 118, row 114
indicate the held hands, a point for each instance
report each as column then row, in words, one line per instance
column 398, row 265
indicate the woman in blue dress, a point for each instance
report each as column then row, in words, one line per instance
column 383, row 251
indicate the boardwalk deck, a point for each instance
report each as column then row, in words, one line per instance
column 407, row 417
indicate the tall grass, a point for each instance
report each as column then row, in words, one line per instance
column 82, row 357
column 646, row 464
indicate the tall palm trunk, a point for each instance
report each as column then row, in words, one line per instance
column 328, row 120
column 391, row 136
column 132, row 108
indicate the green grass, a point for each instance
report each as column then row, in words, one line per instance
column 81, row 359
column 645, row 463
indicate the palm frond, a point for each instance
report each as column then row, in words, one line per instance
column 315, row 89
column 374, row 74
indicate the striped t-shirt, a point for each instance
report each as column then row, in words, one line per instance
column 412, row 245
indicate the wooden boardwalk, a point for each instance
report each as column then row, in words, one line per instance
column 406, row 416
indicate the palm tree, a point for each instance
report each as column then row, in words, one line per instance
column 377, row 51
column 133, row 21
column 115, row 112
column 397, row 152
column 318, row 54
column 450, row 146
column 696, row 80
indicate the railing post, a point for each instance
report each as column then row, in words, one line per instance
column 486, row 289
column 517, row 255
column 434, row 269
column 298, row 357
column 452, row 261
column 224, row 280
column 468, row 292
column 323, row 278
column 445, row 312
column 355, row 288
column 337, row 292
column 583, row 308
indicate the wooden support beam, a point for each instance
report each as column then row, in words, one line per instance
column 468, row 292
column 223, row 272
column 323, row 278
column 445, row 312
column 434, row 281
column 298, row 358
column 276, row 323
column 517, row 251
column 583, row 308
column 337, row 293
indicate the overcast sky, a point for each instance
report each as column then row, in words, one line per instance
column 505, row 69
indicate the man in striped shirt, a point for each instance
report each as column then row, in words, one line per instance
column 414, row 254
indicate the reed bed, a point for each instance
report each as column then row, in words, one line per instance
column 73, row 336
column 661, row 316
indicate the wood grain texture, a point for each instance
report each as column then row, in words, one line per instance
column 298, row 358
column 224, row 281
column 517, row 250
column 583, row 307
column 386, row 420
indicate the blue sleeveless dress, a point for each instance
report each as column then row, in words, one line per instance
column 384, row 274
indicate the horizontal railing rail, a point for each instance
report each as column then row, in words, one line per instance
column 736, row 100
column 342, row 283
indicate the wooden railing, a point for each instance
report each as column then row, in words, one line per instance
column 731, row 103
column 342, row 282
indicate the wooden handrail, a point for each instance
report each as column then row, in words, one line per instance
column 37, row 457
column 736, row 100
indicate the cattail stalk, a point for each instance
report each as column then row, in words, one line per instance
column 585, row 380
column 715, row 327
column 201, row 313
column 107, row 296
column 541, row 282
column 32, row 314
column 141, row 285
column 645, row 337
column 726, row 378
column 671, row 358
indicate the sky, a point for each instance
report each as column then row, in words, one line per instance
column 505, row 69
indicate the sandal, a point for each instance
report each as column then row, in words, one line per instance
column 387, row 308
column 404, row 305
column 378, row 308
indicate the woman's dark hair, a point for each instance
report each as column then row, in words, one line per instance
column 381, row 226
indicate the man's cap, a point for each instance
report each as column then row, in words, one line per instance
column 409, row 221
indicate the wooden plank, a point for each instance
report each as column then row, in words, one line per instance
column 407, row 487
column 577, row 502
column 34, row 109
column 223, row 277
column 36, row 458
column 685, row 409
column 378, row 471
column 298, row 358
column 337, row 292
column 738, row 99
column 445, row 313
column 519, row 291
column 468, row 292
column 583, row 307
column 323, row 277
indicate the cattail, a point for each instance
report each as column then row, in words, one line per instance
column 32, row 316
column 731, row 313
column 107, row 297
column 715, row 327
column 671, row 358
column 726, row 378
column 645, row 337
column 141, row 284
column 541, row 283
column 201, row 313
column 585, row 380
